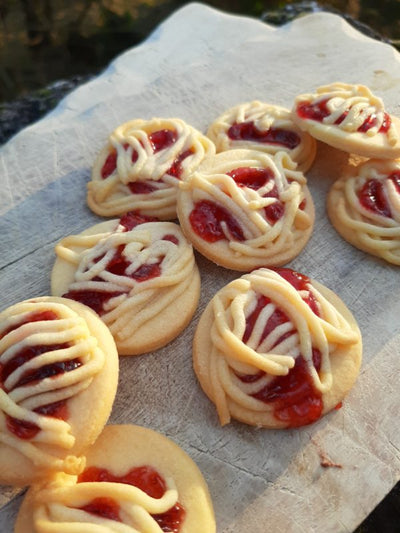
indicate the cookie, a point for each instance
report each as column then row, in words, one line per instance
column 58, row 378
column 350, row 118
column 260, row 126
column 141, row 166
column 276, row 349
column 244, row 209
column 135, row 480
column 364, row 208
column 143, row 282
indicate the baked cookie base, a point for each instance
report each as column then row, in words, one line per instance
column 122, row 447
column 345, row 365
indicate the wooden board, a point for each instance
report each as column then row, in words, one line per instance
column 195, row 65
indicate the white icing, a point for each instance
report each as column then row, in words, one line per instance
column 20, row 401
column 140, row 301
column 306, row 330
column 58, row 506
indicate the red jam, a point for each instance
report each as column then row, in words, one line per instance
column 372, row 195
column 176, row 167
column 93, row 299
column 141, row 187
column 159, row 140
column 146, row 479
column 20, row 428
column 319, row 110
column 96, row 299
column 133, row 218
column 162, row 139
column 207, row 220
column 255, row 178
column 295, row 401
column 247, row 131
column 207, row 217
column 111, row 162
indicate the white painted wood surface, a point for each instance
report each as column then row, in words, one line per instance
column 197, row 64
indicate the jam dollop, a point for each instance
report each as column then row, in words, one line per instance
column 247, row 131
column 294, row 397
column 372, row 195
column 146, row 479
column 97, row 299
column 208, row 218
column 159, row 140
column 319, row 110
column 21, row 428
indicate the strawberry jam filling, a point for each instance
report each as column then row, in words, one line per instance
column 213, row 222
column 21, row 428
column 159, row 140
column 97, row 299
column 319, row 110
column 146, row 479
column 133, row 218
column 372, row 195
column 247, row 131
column 294, row 397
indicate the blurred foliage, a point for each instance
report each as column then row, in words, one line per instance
column 45, row 40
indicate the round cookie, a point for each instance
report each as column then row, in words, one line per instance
column 135, row 478
column 350, row 118
column 259, row 126
column 58, row 379
column 141, row 166
column 364, row 208
column 275, row 349
column 244, row 209
column 142, row 280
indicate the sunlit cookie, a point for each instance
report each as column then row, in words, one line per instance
column 275, row 349
column 260, row 126
column 350, row 118
column 58, row 378
column 136, row 480
column 244, row 209
column 364, row 207
column 143, row 282
column 141, row 166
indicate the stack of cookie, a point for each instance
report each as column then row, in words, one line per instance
column 273, row 348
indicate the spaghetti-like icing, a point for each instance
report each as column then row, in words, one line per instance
column 59, row 508
column 21, row 399
column 265, row 241
column 370, row 220
column 156, row 169
column 274, row 130
column 349, row 107
column 134, row 301
column 302, row 332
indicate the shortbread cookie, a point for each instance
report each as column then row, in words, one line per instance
column 143, row 282
column 58, row 378
column 260, row 126
column 275, row 349
column 136, row 480
column 141, row 166
column 350, row 118
column 245, row 209
column 364, row 207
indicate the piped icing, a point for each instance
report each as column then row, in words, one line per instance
column 140, row 272
column 47, row 357
column 142, row 165
column 292, row 323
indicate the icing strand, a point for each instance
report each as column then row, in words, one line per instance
column 19, row 401
column 144, row 245
column 303, row 331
